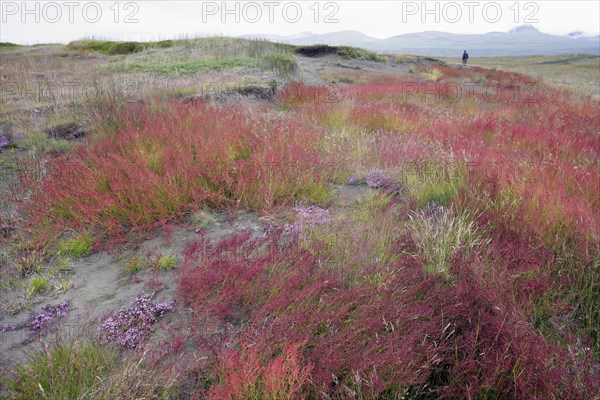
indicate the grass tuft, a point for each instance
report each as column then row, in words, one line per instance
column 78, row 246
column 440, row 235
column 66, row 370
column 37, row 285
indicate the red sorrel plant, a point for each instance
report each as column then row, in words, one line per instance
column 244, row 375
column 169, row 159
column 407, row 334
column 298, row 94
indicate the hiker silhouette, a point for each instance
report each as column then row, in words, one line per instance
column 465, row 57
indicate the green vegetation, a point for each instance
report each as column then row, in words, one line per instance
column 63, row 284
column 78, row 246
column 355, row 52
column 37, row 285
column 8, row 45
column 82, row 369
column 177, row 67
column 64, row 371
column 318, row 50
column 345, row 79
column 434, row 183
column 202, row 218
column 358, row 237
column 38, row 143
column 134, row 264
column 440, row 234
column 166, row 262
column 282, row 63
column 114, row 47
column 125, row 48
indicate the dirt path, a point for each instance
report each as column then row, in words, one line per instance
column 313, row 70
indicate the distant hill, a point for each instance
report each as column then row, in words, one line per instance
column 521, row 41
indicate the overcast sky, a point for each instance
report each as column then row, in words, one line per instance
column 62, row 21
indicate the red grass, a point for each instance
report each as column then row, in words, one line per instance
column 513, row 319
column 541, row 144
column 412, row 332
column 244, row 375
column 164, row 163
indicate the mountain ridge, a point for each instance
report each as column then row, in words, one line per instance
column 519, row 41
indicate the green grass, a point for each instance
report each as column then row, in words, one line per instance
column 38, row 143
column 178, row 67
column 134, row 264
column 166, row 262
column 434, row 183
column 355, row 52
column 27, row 263
column 440, row 234
column 114, row 48
column 63, row 284
column 8, row 45
column 76, row 247
column 38, row 284
column 202, row 218
column 62, row 372
column 284, row 64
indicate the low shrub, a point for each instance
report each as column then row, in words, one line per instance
column 284, row 64
column 8, row 45
column 125, row 48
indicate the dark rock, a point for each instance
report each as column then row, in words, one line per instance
column 68, row 131
column 316, row 50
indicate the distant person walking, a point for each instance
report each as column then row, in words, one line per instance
column 465, row 58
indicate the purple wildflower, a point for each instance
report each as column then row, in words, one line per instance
column 377, row 179
column 129, row 326
column 354, row 180
column 8, row 327
column 312, row 215
column 45, row 318
column 4, row 143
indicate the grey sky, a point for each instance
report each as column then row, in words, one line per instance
column 63, row 21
